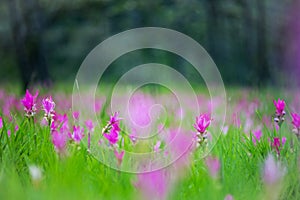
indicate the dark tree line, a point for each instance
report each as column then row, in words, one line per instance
column 240, row 35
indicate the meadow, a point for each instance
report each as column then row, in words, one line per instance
column 49, row 151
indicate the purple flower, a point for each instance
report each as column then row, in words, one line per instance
column 59, row 141
column 156, row 146
column 213, row 165
column 119, row 156
column 279, row 105
column 296, row 123
column 89, row 125
column 272, row 171
column 202, row 123
column 75, row 115
column 257, row 136
column 77, row 134
column 153, row 185
column 113, row 136
column 112, row 129
column 48, row 107
column 8, row 133
column 228, row 197
column 277, row 144
column 1, row 123
column 29, row 103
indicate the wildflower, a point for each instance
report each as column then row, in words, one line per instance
column 201, row 125
column 112, row 129
column 75, row 115
column 77, row 134
column 153, row 185
column 296, row 123
column 277, row 144
column 113, row 136
column 156, row 146
column 16, row 128
column 8, row 133
column 59, row 140
column 29, row 103
column 213, row 165
column 1, row 123
column 257, row 136
column 89, row 125
column 228, row 197
column 272, row 171
column 280, row 113
column 48, row 106
column 119, row 156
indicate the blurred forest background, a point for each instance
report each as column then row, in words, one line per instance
column 253, row 42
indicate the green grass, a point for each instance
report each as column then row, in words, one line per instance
column 79, row 175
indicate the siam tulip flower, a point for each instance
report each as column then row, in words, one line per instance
column 59, row 141
column 16, row 128
column 228, row 197
column 89, row 125
column 277, row 144
column 280, row 113
column 48, row 107
column 153, row 185
column 77, row 134
column 8, row 133
column 296, row 123
column 119, row 156
column 157, row 146
column 1, row 122
column 75, row 115
column 201, row 125
column 112, row 129
column 272, row 171
column 257, row 136
column 213, row 165
column 113, row 136
column 133, row 138
column 29, row 103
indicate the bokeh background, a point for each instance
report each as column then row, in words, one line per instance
column 254, row 43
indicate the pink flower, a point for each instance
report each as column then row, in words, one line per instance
column 296, row 123
column 1, row 123
column 213, row 165
column 59, row 141
column 257, row 136
column 156, row 146
column 75, row 115
column 277, row 144
column 228, row 197
column 16, row 128
column 153, row 185
column 8, row 133
column 113, row 136
column 112, row 129
column 296, row 120
column 272, row 171
column 202, row 123
column 48, row 107
column 89, row 125
column 119, row 156
column 114, row 119
column 77, row 134
column 29, row 103
column 279, row 105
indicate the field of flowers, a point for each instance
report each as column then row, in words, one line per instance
column 49, row 151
